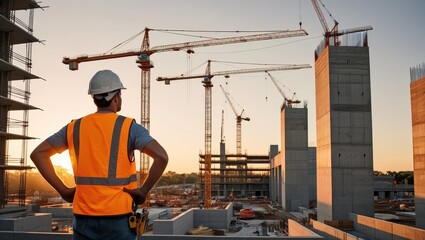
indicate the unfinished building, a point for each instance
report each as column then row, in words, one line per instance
column 344, row 129
column 417, row 96
column 16, row 38
column 289, row 169
column 234, row 175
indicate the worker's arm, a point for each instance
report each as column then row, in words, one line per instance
column 160, row 161
column 41, row 158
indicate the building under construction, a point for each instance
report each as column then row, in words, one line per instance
column 16, row 38
column 344, row 128
column 234, row 175
column 417, row 96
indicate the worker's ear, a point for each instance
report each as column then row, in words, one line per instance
column 116, row 97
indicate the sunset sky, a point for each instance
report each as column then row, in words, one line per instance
column 72, row 28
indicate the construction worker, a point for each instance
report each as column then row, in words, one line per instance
column 101, row 148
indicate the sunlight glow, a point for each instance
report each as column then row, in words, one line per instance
column 62, row 160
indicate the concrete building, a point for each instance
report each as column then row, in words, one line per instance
column 289, row 169
column 385, row 187
column 417, row 95
column 16, row 40
column 344, row 130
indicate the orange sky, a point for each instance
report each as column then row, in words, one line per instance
column 71, row 28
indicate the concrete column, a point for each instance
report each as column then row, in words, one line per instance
column 344, row 133
column 312, row 192
column 294, row 135
column 280, row 185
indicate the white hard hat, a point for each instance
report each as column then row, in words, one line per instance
column 104, row 81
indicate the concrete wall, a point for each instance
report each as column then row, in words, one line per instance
column 40, row 222
column 212, row 218
column 344, row 133
column 417, row 94
column 58, row 212
column 330, row 232
column 175, row 226
column 380, row 229
column 294, row 138
column 298, row 230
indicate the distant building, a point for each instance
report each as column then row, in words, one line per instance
column 289, row 169
column 234, row 175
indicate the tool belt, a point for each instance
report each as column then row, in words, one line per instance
column 138, row 221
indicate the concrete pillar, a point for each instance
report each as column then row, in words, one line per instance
column 280, row 185
column 344, row 133
column 417, row 95
column 312, row 192
column 294, row 137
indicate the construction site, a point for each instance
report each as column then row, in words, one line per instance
column 292, row 190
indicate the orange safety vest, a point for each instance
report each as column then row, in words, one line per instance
column 102, row 164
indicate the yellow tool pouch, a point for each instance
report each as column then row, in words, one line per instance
column 139, row 222
column 132, row 221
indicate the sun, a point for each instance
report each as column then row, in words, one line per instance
column 62, row 160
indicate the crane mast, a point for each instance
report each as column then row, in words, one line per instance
column 239, row 119
column 288, row 102
column 144, row 63
column 208, row 109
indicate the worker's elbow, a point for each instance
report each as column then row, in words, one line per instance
column 33, row 155
column 164, row 160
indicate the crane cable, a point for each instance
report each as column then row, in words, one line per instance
column 330, row 15
column 299, row 14
column 124, row 42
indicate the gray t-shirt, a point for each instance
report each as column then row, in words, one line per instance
column 138, row 139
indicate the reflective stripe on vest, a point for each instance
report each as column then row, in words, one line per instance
column 111, row 180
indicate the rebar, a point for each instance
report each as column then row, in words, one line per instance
column 417, row 72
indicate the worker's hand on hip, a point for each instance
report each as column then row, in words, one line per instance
column 68, row 194
column 138, row 195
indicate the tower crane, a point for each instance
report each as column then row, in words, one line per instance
column 143, row 60
column 334, row 32
column 208, row 108
column 288, row 102
column 222, row 127
column 239, row 119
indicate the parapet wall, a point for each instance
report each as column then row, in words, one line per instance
column 330, row 232
column 380, row 229
column 39, row 222
column 212, row 218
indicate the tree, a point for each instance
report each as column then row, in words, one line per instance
column 400, row 177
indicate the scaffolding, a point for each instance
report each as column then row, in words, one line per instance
column 16, row 38
column 237, row 175
column 417, row 72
